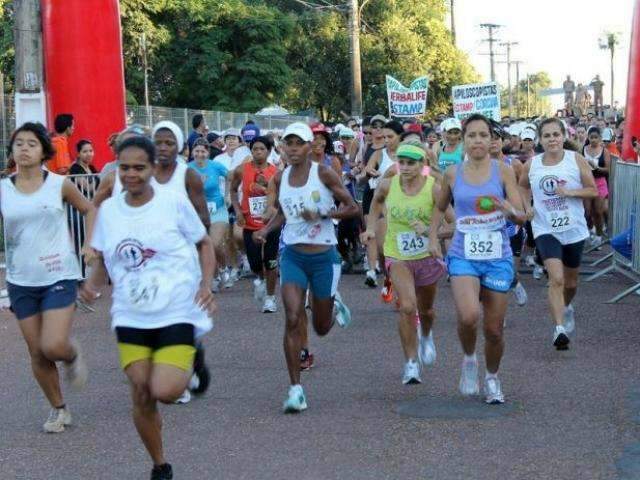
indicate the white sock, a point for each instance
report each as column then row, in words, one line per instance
column 489, row 376
column 470, row 358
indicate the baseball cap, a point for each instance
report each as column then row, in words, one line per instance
column 378, row 118
column 414, row 128
column 232, row 132
column 451, row 124
column 607, row 135
column 249, row 132
column 300, row 130
column 528, row 134
column 212, row 137
column 346, row 133
column 318, row 127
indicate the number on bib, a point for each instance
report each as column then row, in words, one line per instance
column 410, row 244
column 559, row 221
column 142, row 292
column 483, row 245
column 212, row 207
column 257, row 206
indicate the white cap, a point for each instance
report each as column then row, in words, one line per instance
column 346, row 133
column 451, row 124
column 607, row 135
column 233, row 132
column 299, row 129
column 173, row 128
column 528, row 134
column 515, row 129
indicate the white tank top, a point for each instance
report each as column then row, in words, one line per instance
column 385, row 162
column 177, row 182
column 561, row 217
column 312, row 195
column 39, row 250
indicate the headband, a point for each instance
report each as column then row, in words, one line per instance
column 412, row 152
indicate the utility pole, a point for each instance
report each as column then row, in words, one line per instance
column 28, row 41
column 3, row 121
column 517, row 64
column 354, row 50
column 453, row 22
column 491, row 27
column 145, row 66
column 528, row 92
column 508, row 62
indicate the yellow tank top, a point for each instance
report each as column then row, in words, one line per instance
column 401, row 241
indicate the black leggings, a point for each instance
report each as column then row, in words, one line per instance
column 262, row 256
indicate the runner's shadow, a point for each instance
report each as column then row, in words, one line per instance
column 456, row 408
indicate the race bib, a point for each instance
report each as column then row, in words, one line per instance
column 410, row 244
column 559, row 220
column 293, row 208
column 257, row 206
column 212, row 207
column 143, row 292
column 484, row 245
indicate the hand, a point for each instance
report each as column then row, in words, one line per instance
column 372, row 172
column 269, row 213
column 563, row 192
column 259, row 236
column 240, row 221
column 367, row 236
column 434, row 248
column 88, row 293
column 419, row 227
column 528, row 213
column 89, row 254
column 310, row 215
column 204, row 299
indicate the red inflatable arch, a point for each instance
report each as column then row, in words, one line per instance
column 632, row 113
column 84, row 72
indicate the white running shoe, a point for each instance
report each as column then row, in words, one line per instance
column 215, row 284
column 596, row 241
column 521, row 294
column 341, row 311
column 569, row 319
column 538, row 271
column 560, row 338
column 426, row 348
column 77, row 371
column 184, row 398
column 469, row 384
column 246, row 267
column 411, row 374
column 493, row 391
column 259, row 290
column 530, row 261
column 234, row 276
column 296, row 401
column 269, row 305
column 57, row 420
column 371, row 279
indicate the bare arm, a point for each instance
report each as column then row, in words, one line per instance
column 348, row 207
column 195, row 190
column 105, row 189
column 377, row 206
column 588, row 189
column 513, row 210
column 443, row 202
column 207, row 258
column 525, row 190
column 236, row 180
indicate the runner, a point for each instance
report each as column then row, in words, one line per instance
column 306, row 195
column 263, row 258
column 145, row 238
column 213, row 174
column 42, row 269
column 479, row 257
column 409, row 198
column 599, row 160
column 322, row 148
column 452, row 152
column 559, row 180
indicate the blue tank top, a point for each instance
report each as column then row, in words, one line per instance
column 446, row 159
column 478, row 222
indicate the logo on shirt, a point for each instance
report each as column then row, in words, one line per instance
column 549, row 183
column 132, row 254
column 486, row 204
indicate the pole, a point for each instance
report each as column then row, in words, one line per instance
column 3, row 121
column 453, row 22
column 612, row 45
column 145, row 66
column 528, row 93
column 517, row 64
column 491, row 27
column 354, row 48
column 28, row 43
column 509, row 62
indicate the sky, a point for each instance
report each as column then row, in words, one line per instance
column 558, row 36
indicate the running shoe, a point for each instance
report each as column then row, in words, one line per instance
column 57, row 420
column 234, row 276
column 306, row 360
column 469, row 384
column 521, row 294
column 597, row 242
column 269, row 305
column 162, row 472
column 259, row 290
column 77, row 371
column 538, row 271
column 387, row 291
column 531, row 261
column 227, row 278
column 370, row 280
column 246, row 268
column 426, row 348
column 201, row 377
column 493, row 391
column 411, row 374
column 307, row 303
column 215, row 284
column 560, row 338
column 569, row 319
column 296, row 402
column 184, row 398
column 341, row 311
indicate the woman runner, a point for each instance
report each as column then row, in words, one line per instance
column 599, row 160
column 485, row 193
column 161, row 288
column 42, row 269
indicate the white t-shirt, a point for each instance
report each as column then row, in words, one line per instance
column 150, row 256
column 239, row 156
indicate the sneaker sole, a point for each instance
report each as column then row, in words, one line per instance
column 50, row 430
column 494, row 401
column 293, row 410
column 369, row 282
column 413, row 381
column 562, row 342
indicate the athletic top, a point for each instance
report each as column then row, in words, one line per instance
column 254, row 193
column 445, row 159
column 148, row 252
column 595, row 160
column 481, row 232
column 401, row 241
column 385, row 163
column 313, row 195
column 39, row 251
column 561, row 217
column 211, row 174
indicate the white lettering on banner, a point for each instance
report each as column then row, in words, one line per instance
column 481, row 98
column 483, row 245
column 257, row 206
column 212, row 207
column 410, row 243
column 408, row 101
column 477, row 223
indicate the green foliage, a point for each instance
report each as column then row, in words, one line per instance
column 7, row 49
column 538, row 105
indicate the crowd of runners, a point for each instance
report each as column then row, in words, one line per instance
column 407, row 205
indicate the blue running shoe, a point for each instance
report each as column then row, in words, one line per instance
column 296, row 402
column 341, row 311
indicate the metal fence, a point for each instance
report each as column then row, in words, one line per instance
column 624, row 214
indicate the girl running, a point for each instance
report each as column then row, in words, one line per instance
column 599, row 160
column 42, row 269
column 485, row 195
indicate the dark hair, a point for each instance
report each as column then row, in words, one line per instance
column 41, row 134
column 394, row 125
column 200, row 142
column 263, row 139
column 143, row 143
column 197, row 120
column 62, row 122
column 594, row 129
column 366, row 121
column 428, row 131
column 82, row 143
column 549, row 121
column 476, row 117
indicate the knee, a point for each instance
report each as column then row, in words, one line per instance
column 556, row 281
column 165, row 393
column 469, row 319
column 141, row 394
column 407, row 308
column 38, row 357
column 55, row 350
column 493, row 334
column 321, row 329
column 571, row 283
column 428, row 314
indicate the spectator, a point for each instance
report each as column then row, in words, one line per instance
column 61, row 161
column 216, row 144
column 199, row 131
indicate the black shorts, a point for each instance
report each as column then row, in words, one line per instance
column 549, row 246
column 516, row 242
column 262, row 256
column 367, row 198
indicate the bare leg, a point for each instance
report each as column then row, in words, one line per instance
column 293, row 299
column 495, row 308
column 402, row 280
column 556, row 289
column 466, row 293
column 570, row 284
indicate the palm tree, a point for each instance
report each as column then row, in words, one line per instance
column 609, row 41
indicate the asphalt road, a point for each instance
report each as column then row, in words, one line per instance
column 569, row 415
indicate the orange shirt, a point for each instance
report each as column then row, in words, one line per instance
column 61, row 161
column 613, row 150
column 254, row 193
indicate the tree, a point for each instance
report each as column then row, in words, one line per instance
column 529, row 101
column 609, row 42
column 7, row 48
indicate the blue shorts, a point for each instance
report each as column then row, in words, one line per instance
column 318, row 271
column 29, row 301
column 221, row 216
column 496, row 275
